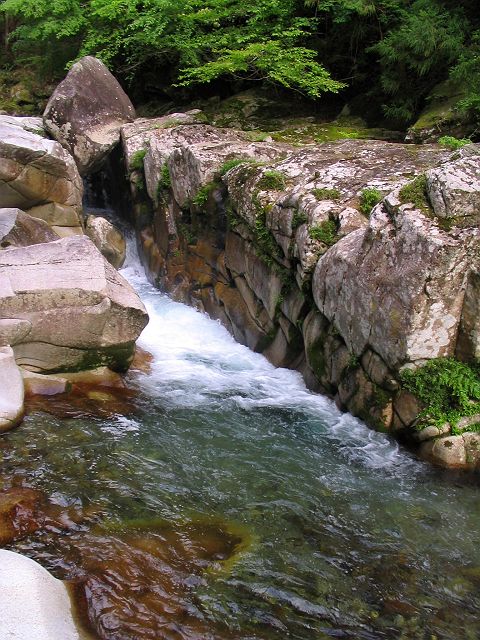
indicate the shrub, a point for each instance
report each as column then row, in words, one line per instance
column 416, row 193
column 324, row 232
column 448, row 389
column 326, row 194
column 453, row 143
column 136, row 162
column 272, row 179
column 368, row 199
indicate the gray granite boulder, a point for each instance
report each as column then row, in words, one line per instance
column 108, row 240
column 86, row 111
column 66, row 308
column 11, row 390
column 18, row 229
column 38, row 176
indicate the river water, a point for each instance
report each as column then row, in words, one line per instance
column 230, row 502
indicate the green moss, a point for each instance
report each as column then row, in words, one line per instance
column 272, row 180
column 325, row 232
column 316, row 358
column 298, row 219
column 326, row 194
column 136, row 161
column 453, row 143
column 170, row 123
column 234, row 162
column 368, row 199
column 201, row 198
column 447, row 388
column 165, row 181
column 187, row 233
column 415, row 192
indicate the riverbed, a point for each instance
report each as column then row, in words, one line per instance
column 228, row 501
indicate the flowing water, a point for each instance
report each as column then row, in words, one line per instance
column 230, row 502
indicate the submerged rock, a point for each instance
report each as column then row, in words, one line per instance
column 86, row 111
column 82, row 313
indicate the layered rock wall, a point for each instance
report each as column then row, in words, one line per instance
column 331, row 259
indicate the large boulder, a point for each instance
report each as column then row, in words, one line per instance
column 38, row 176
column 11, row 390
column 399, row 285
column 18, row 229
column 86, row 111
column 108, row 240
column 67, row 308
column 34, row 604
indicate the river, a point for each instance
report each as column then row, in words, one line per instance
column 230, row 502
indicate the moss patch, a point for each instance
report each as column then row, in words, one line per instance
column 272, row 180
column 325, row 232
column 326, row 194
column 415, row 192
column 136, row 161
column 369, row 198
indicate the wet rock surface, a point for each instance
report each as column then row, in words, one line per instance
column 261, row 234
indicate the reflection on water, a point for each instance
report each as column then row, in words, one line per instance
column 229, row 502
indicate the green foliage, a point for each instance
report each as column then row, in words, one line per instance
column 415, row 192
column 448, row 389
column 232, row 163
column 326, row 194
column 136, row 162
column 368, row 199
column 298, row 219
column 453, row 143
column 201, row 198
column 272, row 180
column 325, row 232
column 165, row 181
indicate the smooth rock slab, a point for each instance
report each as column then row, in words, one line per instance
column 38, row 176
column 108, row 240
column 82, row 313
column 33, row 604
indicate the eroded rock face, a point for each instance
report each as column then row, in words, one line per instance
column 108, row 240
column 18, row 229
column 86, row 111
column 280, row 246
column 38, row 176
column 67, row 308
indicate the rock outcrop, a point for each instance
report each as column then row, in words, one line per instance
column 66, row 308
column 86, row 111
column 11, row 390
column 18, row 229
column 38, row 176
column 108, row 240
column 328, row 259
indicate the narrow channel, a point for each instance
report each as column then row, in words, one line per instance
column 333, row 530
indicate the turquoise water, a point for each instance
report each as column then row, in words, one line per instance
column 346, row 534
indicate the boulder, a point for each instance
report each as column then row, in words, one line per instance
column 38, row 176
column 398, row 286
column 322, row 185
column 86, row 111
column 82, row 314
column 454, row 190
column 28, row 123
column 34, row 604
column 11, row 391
column 108, row 240
column 18, row 229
